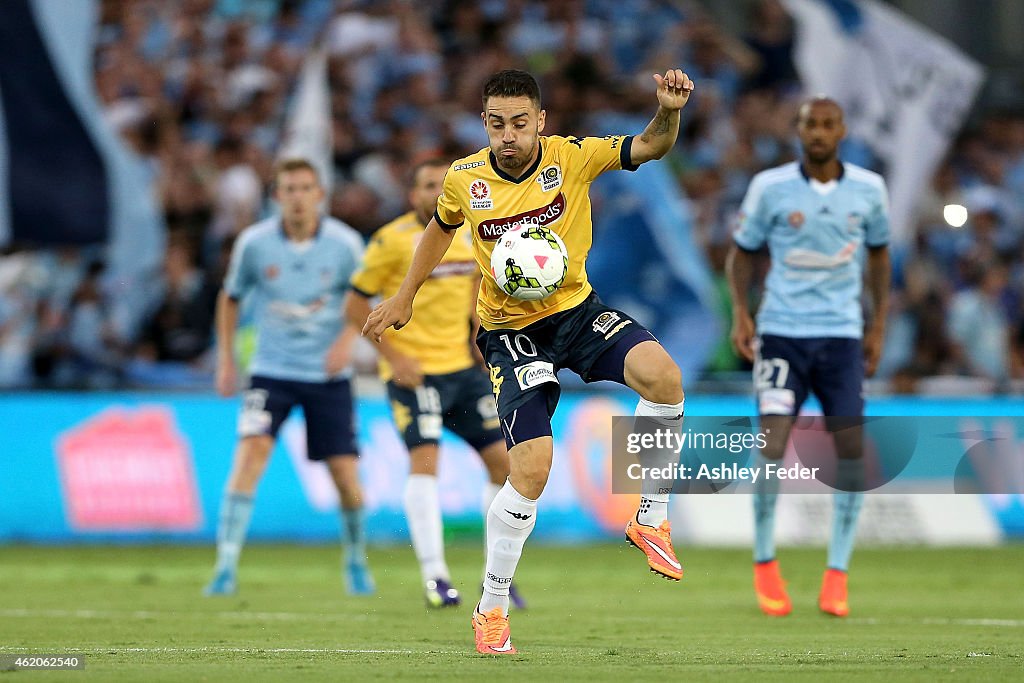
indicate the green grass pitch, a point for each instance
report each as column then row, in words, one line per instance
column 595, row 614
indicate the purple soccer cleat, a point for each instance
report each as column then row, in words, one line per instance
column 440, row 593
column 514, row 598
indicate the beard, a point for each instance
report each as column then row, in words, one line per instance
column 512, row 163
column 821, row 156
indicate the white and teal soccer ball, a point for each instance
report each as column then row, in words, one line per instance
column 529, row 262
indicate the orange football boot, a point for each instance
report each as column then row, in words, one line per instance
column 832, row 599
column 771, row 589
column 493, row 636
column 656, row 544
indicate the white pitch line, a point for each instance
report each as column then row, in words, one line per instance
column 149, row 614
column 934, row 621
column 311, row 616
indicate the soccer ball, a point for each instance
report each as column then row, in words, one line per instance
column 529, row 262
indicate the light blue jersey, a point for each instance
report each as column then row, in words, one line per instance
column 815, row 233
column 296, row 293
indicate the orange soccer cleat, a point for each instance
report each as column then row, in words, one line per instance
column 493, row 636
column 656, row 544
column 832, row 599
column 771, row 589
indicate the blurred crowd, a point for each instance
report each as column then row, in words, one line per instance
column 200, row 89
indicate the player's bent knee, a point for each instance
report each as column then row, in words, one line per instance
column 664, row 384
column 529, row 465
column 652, row 373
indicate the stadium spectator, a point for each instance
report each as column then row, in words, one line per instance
column 180, row 330
column 978, row 325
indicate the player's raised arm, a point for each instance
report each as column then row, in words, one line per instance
column 396, row 311
column 674, row 90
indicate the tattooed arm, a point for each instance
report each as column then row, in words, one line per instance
column 657, row 139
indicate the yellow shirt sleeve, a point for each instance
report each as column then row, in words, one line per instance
column 595, row 155
column 379, row 262
column 449, row 213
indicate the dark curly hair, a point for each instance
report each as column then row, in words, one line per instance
column 512, row 83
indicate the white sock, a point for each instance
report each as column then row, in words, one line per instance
column 490, row 491
column 509, row 523
column 654, row 494
column 423, row 513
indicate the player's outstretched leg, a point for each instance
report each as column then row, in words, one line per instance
column 654, row 375
column 251, row 457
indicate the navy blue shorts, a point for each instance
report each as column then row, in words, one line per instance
column 327, row 406
column 461, row 401
column 591, row 339
column 787, row 369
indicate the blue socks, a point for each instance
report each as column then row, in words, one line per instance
column 353, row 540
column 766, row 493
column 235, row 512
column 845, row 511
column 846, row 505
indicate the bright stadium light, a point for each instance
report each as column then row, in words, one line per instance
column 955, row 214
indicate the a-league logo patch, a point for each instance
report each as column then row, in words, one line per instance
column 550, row 178
column 604, row 322
column 480, row 195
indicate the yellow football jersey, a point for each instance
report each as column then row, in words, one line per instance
column 554, row 193
column 438, row 334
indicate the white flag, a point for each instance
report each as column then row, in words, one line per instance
column 905, row 90
column 307, row 133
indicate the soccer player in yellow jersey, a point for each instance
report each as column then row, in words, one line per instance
column 432, row 375
column 524, row 177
